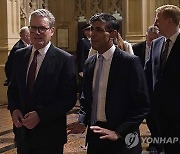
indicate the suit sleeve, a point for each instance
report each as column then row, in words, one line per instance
column 139, row 96
column 66, row 93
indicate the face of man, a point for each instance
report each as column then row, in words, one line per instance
column 40, row 32
column 151, row 36
column 101, row 39
column 87, row 33
column 162, row 23
column 26, row 37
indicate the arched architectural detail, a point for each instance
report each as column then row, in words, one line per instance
column 85, row 9
column 116, row 6
column 27, row 6
column 97, row 6
column 80, row 8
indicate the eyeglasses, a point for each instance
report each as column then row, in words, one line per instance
column 40, row 29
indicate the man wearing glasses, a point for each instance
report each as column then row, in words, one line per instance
column 42, row 90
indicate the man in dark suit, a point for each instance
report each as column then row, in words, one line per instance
column 164, row 69
column 142, row 50
column 24, row 41
column 83, row 48
column 114, row 107
column 42, row 90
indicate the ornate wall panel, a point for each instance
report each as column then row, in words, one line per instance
column 27, row 6
column 84, row 9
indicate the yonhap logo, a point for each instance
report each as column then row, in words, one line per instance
column 131, row 140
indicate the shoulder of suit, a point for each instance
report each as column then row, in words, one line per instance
column 123, row 54
column 59, row 50
column 161, row 38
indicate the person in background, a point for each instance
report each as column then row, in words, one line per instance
column 24, row 41
column 83, row 47
column 114, row 103
column 164, row 72
column 42, row 90
column 122, row 44
column 142, row 50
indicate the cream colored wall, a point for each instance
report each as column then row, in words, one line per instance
column 138, row 16
column 9, row 29
column 64, row 13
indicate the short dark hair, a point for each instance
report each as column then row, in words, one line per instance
column 85, row 27
column 104, row 17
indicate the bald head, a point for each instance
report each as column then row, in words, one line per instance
column 25, row 34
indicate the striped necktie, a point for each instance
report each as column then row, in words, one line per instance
column 164, row 54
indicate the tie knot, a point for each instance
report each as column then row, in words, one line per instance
column 167, row 41
column 36, row 53
column 100, row 58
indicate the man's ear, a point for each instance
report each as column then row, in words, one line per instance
column 113, row 34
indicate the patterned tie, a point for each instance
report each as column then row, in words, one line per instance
column 164, row 54
column 96, row 90
column 32, row 73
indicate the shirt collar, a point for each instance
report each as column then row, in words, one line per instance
column 174, row 36
column 42, row 51
column 109, row 53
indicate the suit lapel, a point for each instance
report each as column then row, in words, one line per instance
column 45, row 68
column 90, row 70
column 113, row 68
column 173, row 52
column 23, row 71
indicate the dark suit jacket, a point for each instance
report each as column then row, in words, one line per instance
column 166, row 81
column 9, row 62
column 82, row 52
column 139, row 50
column 127, row 101
column 54, row 94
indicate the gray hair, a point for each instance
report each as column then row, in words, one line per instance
column 23, row 30
column 153, row 29
column 43, row 13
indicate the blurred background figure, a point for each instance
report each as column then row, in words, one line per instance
column 24, row 41
column 142, row 49
column 122, row 44
column 83, row 47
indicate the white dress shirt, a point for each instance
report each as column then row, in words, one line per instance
column 40, row 57
column 101, row 116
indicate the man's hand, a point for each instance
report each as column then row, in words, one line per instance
column 76, row 128
column 17, row 118
column 106, row 133
column 31, row 119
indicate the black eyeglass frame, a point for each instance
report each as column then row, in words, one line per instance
column 40, row 29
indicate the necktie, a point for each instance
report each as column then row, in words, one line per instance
column 32, row 73
column 96, row 91
column 165, row 53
